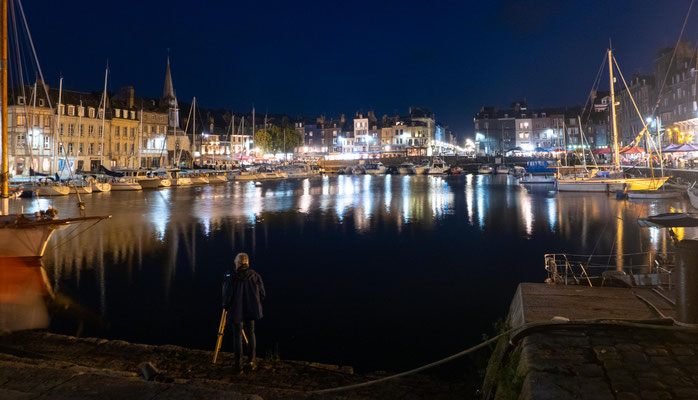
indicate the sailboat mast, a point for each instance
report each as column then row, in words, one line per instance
column 616, row 151
column 5, row 173
column 104, row 114
column 193, row 133
column 58, row 131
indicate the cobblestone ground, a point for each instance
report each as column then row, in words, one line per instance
column 41, row 365
column 609, row 363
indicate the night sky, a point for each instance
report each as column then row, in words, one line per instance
column 329, row 57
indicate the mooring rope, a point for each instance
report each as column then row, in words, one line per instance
column 414, row 371
column 528, row 329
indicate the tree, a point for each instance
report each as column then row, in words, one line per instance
column 263, row 140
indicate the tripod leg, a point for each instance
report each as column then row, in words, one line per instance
column 221, row 331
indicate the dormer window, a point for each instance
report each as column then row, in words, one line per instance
column 100, row 113
column 81, row 111
column 91, row 112
column 71, row 110
column 41, row 102
column 133, row 115
column 20, row 100
column 118, row 113
column 61, row 109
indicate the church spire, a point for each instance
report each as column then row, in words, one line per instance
column 168, row 94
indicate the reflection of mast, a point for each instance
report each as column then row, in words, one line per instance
column 5, row 170
column 102, row 289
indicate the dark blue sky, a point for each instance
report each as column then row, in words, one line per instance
column 331, row 57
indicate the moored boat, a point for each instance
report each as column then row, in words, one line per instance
column 502, row 169
column 198, row 178
column 485, row 169
column 654, row 194
column 422, row 168
column 405, row 168
column 217, row 177
column 536, row 179
column 375, row 168
column 437, row 166
column 693, row 195
column 99, row 184
column 79, row 186
column 177, row 177
column 124, row 184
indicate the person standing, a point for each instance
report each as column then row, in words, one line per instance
column 243, row 292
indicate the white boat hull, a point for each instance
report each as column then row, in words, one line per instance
column 405, row 171
column 609, row 185
column 24, row 242
column 164, row 183
column 125, row 186
column 199, row 180
column 180, row 182
column 81, row 189
column 376, row 171
column 484, row 171
column 654, row 194
column 438, row 171
column 217, row 179
column 502, row 170
column 50, row 190
column 100, row 187
column 246, row 177
column 537, row 179
column 421, row 170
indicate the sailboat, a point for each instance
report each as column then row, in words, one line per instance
column 613, row 180
column 23, row 237
column 101, row 184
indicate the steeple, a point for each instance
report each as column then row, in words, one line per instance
column 168, row 95
column 169, row 99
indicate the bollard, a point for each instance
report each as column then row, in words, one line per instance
column 687, row 282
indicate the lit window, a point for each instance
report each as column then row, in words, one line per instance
column 71, row 110
column 100, row 113
column 61, row 109
column 47, row 142
column 81, row 111
column 118, row 113
column 21, row 120
column 91, row 112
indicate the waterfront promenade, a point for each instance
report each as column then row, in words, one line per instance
column 598, row 354
column 41, row 365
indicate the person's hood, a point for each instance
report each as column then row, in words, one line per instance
column 244, row 273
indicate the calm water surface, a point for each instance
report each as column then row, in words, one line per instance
column 381, row 272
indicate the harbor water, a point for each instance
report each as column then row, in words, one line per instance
column 378, row 272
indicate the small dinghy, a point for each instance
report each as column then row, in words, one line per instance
column 654, row 194
column 669, row 220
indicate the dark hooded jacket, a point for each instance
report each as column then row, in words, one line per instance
column 243, row 292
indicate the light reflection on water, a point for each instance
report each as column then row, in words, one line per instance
column 335, row 253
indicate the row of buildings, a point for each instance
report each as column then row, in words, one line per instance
column 59, row 130
column 665, row 100
column 416, row 133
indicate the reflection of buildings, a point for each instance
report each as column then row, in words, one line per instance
column 166, row 237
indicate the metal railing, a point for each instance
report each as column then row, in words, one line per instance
column 635, row 269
